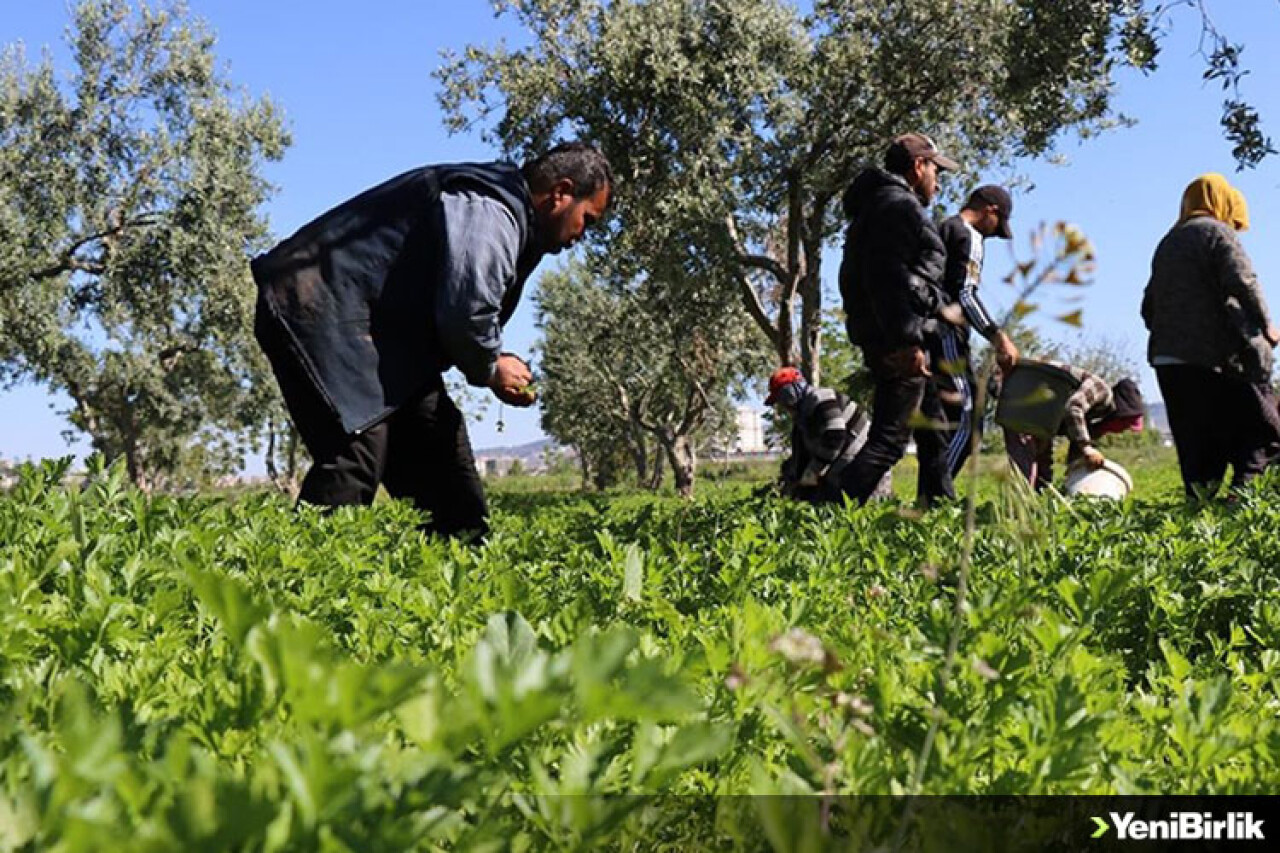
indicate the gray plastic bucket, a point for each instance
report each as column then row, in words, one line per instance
column 1034, row 398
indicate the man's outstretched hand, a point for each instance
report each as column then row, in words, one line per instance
column 512, row 381
column 1094, row 458
column 1006, row 352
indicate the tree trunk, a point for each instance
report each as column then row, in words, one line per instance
column 811, row 323
column 282, row 442
column 132, row 453
column 683, row 460
column 811, row 292
column 273, row 474
column 656, row 471
column 786, row 333
column 293, row 459
column 134, row 466
column 641, row 461
column 639, row 453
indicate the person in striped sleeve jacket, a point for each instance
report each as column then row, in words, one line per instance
column 827, row 431
column 985, row 214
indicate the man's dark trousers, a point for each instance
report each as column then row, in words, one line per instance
column 900, row 408
column 420, row 452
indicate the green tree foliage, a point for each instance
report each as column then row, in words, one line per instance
column 1107, row 357
column 632, row 366
column 129, row 191
column 735, row 125
column 1224, row 65
column 580, row 403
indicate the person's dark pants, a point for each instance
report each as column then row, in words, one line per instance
column 1258, row 429
column 901, row 408
column 953, row 375
column 1218, row 420
column 1032, row 456
column 420, row 452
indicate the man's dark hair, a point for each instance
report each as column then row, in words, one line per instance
column 580, row 162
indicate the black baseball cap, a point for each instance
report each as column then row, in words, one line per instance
column 906, row 148
column 1126, row 396
column 999, row 196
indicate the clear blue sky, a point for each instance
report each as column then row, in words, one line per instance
column 354, row 80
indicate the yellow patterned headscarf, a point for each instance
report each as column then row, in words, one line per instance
column 1207, row 195
column 1239, row 211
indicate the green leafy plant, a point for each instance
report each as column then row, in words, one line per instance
column 209, row 673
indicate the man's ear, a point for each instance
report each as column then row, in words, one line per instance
column 563, row 187
column 917, row 171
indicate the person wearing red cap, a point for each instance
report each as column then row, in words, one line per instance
column 890, row 282
column 827, row 430
column 985, row 214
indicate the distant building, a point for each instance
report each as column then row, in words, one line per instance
column 751, row 431
column 497, row 466
column 532, row 458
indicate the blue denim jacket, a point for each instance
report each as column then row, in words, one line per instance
column 375, row 298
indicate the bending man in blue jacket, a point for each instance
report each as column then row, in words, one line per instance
column 363, row 309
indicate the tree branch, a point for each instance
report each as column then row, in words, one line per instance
column 751, row 300
column 638, row 409
column 696, row 393
column 795, row 229
column 751, row 260
column 68, row 262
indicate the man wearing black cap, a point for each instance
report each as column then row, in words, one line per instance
column 985, row 214
column 890, row 280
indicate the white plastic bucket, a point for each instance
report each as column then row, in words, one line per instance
column 1109, row 481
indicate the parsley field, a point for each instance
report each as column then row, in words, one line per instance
column 214, row 672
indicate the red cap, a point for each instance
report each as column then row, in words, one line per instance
column 781, row 378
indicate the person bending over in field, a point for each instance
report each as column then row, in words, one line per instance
column 827, row 431
column 1093, row 410
column 363, row 309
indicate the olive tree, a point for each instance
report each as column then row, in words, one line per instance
column 636, row 366
column 129, row 197
column 735, row 125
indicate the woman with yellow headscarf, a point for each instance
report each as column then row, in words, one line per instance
column 1238, row 211
column 1211, row 341
column 1208, row 195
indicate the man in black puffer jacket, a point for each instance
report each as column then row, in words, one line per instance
column 890, row 281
